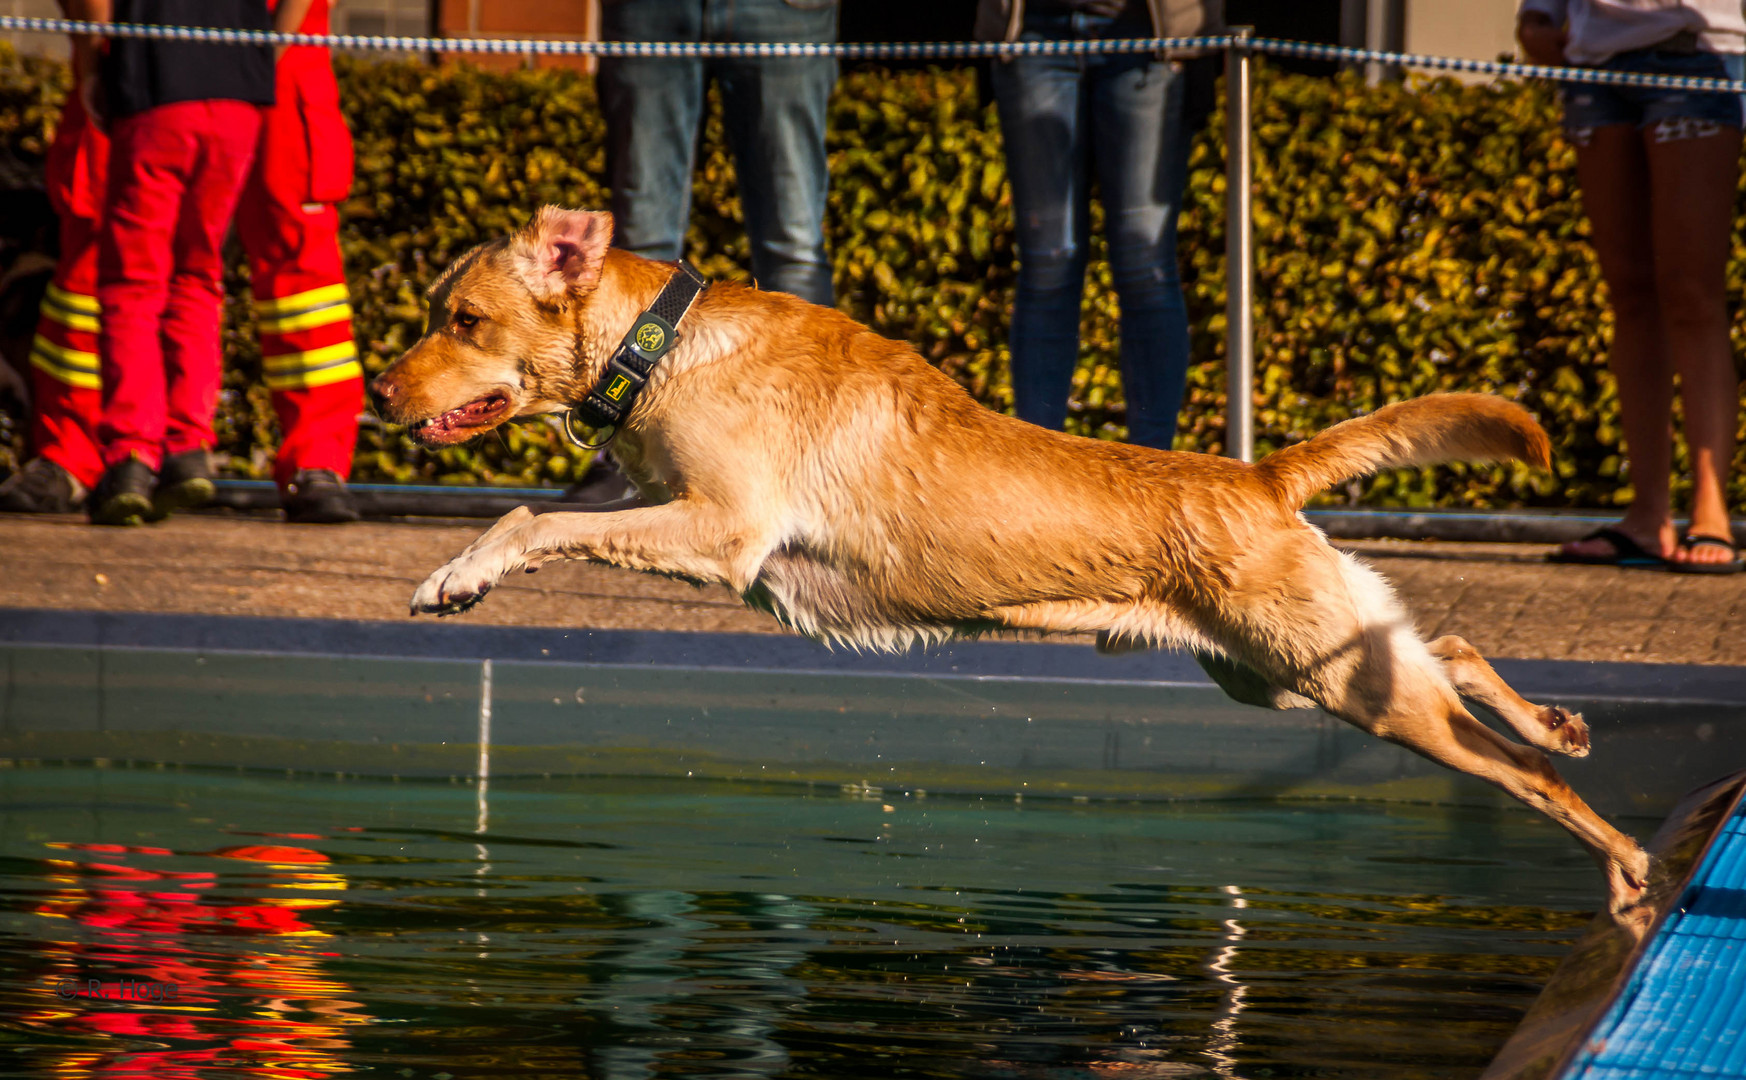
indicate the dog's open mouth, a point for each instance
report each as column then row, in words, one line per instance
column 458, row 425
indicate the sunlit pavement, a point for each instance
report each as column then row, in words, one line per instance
column 1498, row 596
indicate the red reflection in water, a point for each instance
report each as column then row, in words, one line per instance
column 173, row 1009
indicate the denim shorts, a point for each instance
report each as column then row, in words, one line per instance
column 1668, row 114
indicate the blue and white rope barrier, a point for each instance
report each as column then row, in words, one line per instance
column 1239, row 50
column 892, row 50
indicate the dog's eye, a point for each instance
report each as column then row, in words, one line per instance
column 466, row 320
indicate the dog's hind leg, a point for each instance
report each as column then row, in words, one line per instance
column 1383, row 680
column 698, row 543
column 1428, row 719
column 1549, row 727
column 1329, row 629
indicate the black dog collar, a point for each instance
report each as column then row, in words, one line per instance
column 628, row 369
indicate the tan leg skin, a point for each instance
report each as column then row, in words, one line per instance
column 1549, row 727
column 1693, row 182
column 1661, row 218
column 1613, row 173
column 679, row 538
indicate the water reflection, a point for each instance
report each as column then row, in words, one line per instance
column 124, row 962
column 638, row 931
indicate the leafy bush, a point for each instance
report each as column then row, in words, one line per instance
column 1409, row 238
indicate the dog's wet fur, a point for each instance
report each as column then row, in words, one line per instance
column 835, row 479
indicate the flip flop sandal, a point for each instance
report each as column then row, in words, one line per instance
column 1627, row 553
column 1689, row 540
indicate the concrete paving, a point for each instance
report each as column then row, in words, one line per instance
column 1502, row 597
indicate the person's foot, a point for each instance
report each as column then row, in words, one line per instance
column 1624, row 544
column 124, row 495
column 318, row 497
column 42, row 487
column 1707, row 553
column 184, row 482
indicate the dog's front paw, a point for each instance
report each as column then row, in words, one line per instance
column 456, row 587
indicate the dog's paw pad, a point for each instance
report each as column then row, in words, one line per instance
column 1567, row 731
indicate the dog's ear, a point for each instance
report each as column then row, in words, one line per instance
column 561, row 251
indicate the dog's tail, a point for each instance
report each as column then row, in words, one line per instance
column 1423, row 431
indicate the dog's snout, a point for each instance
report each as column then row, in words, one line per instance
column 383, row 389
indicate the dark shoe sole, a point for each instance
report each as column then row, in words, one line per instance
column 322, row 515
column 1627, row 554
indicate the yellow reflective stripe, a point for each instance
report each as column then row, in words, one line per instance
column 303, row 320
column 283, row 305
column 72, row 320
column 73, row 301
column 69, row 358
column 66, row 365
column 303, row 380
column 310, row 360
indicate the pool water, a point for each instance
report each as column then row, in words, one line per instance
column 167, row 923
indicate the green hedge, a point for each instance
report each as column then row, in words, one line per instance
column 1409, row 239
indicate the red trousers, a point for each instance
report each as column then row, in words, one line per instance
column 175, row 174
column 63, row 359
column 290, row 230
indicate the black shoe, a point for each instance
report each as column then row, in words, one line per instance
column 42, row 487
column 318, row 497
column 184, row 482
column 124, row 495
column 601, row 487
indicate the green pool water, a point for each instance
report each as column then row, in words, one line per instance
column 620, row 929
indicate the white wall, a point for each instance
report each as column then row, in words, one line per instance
column 1470, row 29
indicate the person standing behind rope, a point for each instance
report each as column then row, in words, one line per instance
column 183, row 118
column 289, row 227
column 774, row 111
column 65, row 380
column 1658, row 170
column 1127, row 120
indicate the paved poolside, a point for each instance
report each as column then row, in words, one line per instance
column 1499, row 596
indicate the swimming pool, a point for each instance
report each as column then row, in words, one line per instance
column 667, row 928
column 440, row 851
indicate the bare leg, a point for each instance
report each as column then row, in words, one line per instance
column 1613, row 172
column 1547, row 726
column 1693, row 182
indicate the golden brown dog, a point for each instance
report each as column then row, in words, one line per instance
column 835, row 479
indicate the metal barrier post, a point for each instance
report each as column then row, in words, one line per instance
column 1239, row 254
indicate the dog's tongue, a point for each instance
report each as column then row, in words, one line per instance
column 466, row 415
column 471, row 410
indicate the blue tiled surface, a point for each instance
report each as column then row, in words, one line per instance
column 1684, row 1012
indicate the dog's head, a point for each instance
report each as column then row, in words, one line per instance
column 502, row 337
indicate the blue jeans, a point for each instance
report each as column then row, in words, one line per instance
column 1669, row 114
column 1065, row 119
column 774, row 111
